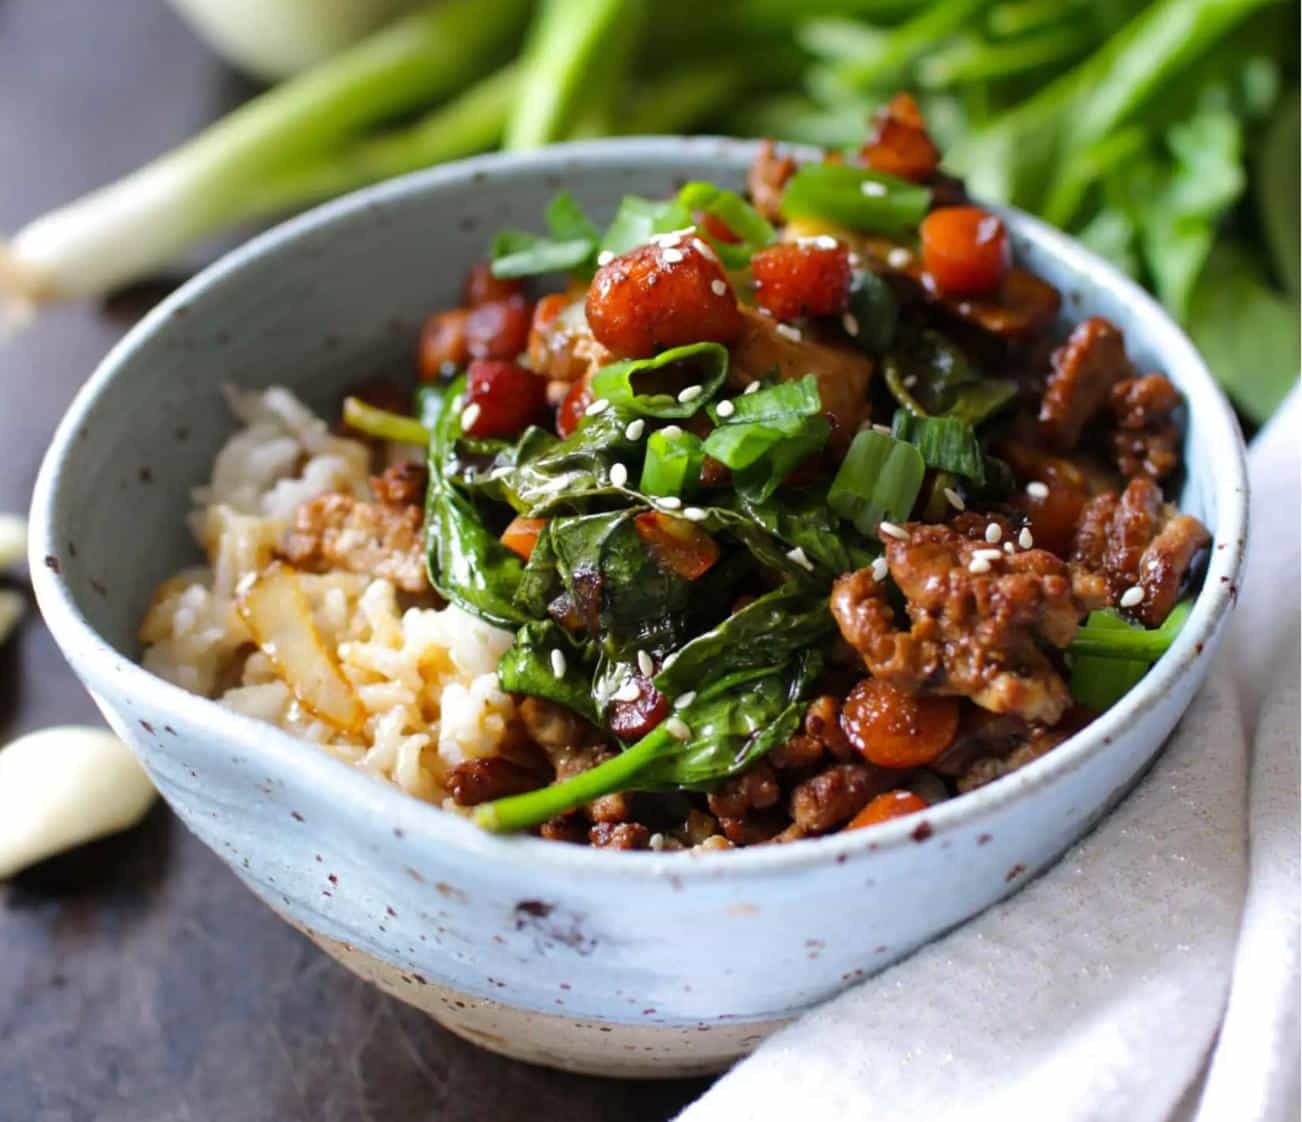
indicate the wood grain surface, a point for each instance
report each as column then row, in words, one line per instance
column 139, row 982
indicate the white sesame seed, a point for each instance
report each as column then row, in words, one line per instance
column 598, row 406
column 635, row 429
column 629, row 691
column 899, row 258
column 994, row 532
column 988, row 554
column 690, row 393
column 656, row 842
column 872, row 188
column 694, row 514
column 754, row 387
column 673, row 432
column 683, row 700
column 978, row 565
column 1037, row 490
column 855, row 260
column 1010, row 548
column 725, row 408
column 799, row 556
column 618, row 474
column 718, row 287
column 1025, row 539
column 899, row 533
column 670, row 502
column 880, row 569
column 826, row 241
column 789, row 332
column 605, row 257
column 885, row 430
column 645, row 664
column 954, row 499
column 705, row 249
column 850, row 324
column 1132, row 597
column 558, row 662
column 671, row 256
column 964, row 308
column 910, row 381
column 469, row 415
column 678, row 728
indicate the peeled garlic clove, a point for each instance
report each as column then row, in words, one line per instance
column 64, row 786
column 13, row 540
column 12, row 607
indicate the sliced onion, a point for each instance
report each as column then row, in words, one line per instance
column 277, row 612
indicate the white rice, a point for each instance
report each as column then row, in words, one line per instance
column 427, row 678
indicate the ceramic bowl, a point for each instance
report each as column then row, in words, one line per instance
column 614, row 963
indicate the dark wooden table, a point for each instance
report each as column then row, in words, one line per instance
column 139, row 982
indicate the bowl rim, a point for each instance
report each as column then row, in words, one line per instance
column 97, row 660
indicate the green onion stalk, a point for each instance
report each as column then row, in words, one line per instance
column 299, row 142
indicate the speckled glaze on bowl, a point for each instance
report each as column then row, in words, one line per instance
column 612, row 963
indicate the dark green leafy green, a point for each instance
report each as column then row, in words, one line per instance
column 528, row 667
column 836, row 193
column 929, row 375
column 802, row 519
column 572, row 244
column 879, row 479
column 946, row 443
column 673, row 384
column 875, row 312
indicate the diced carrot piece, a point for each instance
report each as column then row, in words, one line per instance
column 965, row 250
column 887, row 805
column 522, row 535
column 892, row 729
column 677, row 545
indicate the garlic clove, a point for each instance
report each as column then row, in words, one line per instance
column 63, row 786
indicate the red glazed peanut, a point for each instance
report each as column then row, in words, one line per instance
column 805, row 278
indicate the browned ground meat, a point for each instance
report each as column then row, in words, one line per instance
column 1145, row 441
column 974, row 634
column 1084, row 370
column 1037, row 741
column 402, row 484
column 1139, row 540
column 479, row 781
column 768, row 180
column 619, row 835
column 745, row 805
column 380, row 539
column 832, row 797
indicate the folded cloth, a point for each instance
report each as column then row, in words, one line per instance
column 1150, row 976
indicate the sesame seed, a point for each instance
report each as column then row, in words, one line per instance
column 469, row 415
column 605, row 257
column 978, row 565
column 725, row 409
column 656, row 842
column 954, row 499
column 910, row 381
column 671, row 256
column 694, row 514
column 994, row 532
column 644, row 664
column 850, row 324
column 598, row 406
column 705, row 249
column 683, row 700
column 801, row 558
column 789, row 332
column 629, row 691
column 880, row 569
column 826, row 241
column 1024, row 539
column 899, row 533
column 558, row 662
column 673, row 432
column 1037, row 490
column 635, row 429
column 1009, row 548
column 1132, row 597
column 671, row 502
column 618, row 474
column 690, row 393
column 718, row 287
column 872, row 188
column 899, row 258
column 885, row 430
column 678, row 728
column 988, row 554
column 855, row 260
column 754, row 387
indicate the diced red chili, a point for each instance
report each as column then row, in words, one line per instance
column 887, row 805
column 900, row 145
column 676, row 545
column 660, row 296
column 522, row 535
column 892, row 729
column 632, row 720
column 484, row 288
column 574, row 406
column 965, row 250
column 806, row 278
column 501, row 398
column 442, row 344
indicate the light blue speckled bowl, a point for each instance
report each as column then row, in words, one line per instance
column 613, row 963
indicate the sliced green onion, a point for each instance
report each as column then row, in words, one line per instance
column 773, row 405
column 673, row 463
column 946, row 443
column 1099, row 683
column 382, row 424
column 735, row 213
column 836, row 193
column 675, row 383
column 879, row 479
column 1106, row 634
